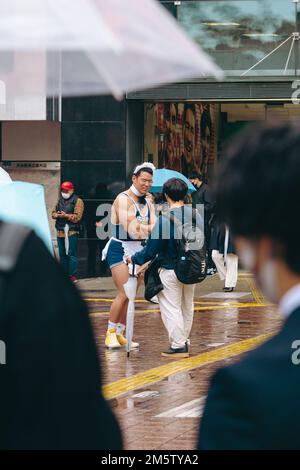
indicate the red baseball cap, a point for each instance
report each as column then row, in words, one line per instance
column 67, row 186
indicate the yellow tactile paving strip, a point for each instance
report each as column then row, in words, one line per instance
column 157, row 374
column 198, row 309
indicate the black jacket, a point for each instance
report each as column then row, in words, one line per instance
column 204, row 195
column 50, row 387
column 254, row 404
column 217, row 238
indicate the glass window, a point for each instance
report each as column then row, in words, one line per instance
column 95, row 180
column 239, row 33
column 93, row 141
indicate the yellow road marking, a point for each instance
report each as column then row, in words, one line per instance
column 157, row 374
column 257, row 294
column 197, row 302
column 197, row 309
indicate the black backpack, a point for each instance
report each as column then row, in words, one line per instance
column 190, row 266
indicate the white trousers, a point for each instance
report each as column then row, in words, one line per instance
column 228, row 272
column 176, row 302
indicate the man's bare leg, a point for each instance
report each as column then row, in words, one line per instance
column 120, row 276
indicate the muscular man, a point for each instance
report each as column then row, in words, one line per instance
column 132, row 219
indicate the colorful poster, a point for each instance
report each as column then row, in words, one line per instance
column 180, row 136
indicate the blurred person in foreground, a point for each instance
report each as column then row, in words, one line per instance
column 50, row 385
column 254, row 404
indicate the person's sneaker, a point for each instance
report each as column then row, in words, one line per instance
column 123, row 341
column 228, row 289
column 74, row 279
column 176, row 352
column 111, row 341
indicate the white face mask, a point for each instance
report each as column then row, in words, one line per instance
column 66, row 195
column 266, row 276
column 135, row 191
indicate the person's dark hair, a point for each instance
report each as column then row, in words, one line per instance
column 158, row 198
column 258, row 187
column 176, row 189
column 144, row 169
column 195, row 174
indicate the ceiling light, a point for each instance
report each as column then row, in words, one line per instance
column 220, row 24
column 252, row 35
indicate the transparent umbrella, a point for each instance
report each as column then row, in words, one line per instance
column 79, row 47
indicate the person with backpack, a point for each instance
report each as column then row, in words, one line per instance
column 68, row 213
column 177, row 244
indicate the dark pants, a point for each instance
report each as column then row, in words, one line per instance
column 69, row 262
column 207, row 233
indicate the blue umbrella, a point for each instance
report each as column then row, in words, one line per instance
column 25, row 203
column 163, row 175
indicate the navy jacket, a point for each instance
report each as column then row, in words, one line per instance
column 254, row 404
column 162, row 242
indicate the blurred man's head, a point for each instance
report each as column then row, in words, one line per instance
column 67, row 189
column 189, row 135
column 258, row 196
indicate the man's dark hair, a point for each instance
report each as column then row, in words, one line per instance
column 258, row 188
column 176, row 189
column 195, row 174
column 144, row 169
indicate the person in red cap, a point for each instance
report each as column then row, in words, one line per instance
column 68, row 213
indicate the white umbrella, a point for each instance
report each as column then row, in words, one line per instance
column 78, row 47
column 4, row 177
column 130, row 288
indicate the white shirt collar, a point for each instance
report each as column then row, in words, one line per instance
column 290, row 301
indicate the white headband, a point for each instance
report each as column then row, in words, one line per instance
column 144, row 165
